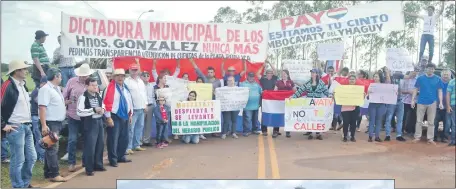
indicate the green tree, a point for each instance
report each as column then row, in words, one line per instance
column 449, row 44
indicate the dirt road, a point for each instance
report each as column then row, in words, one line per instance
column 412, row 165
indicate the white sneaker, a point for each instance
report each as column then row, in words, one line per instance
column 202, row 137
column 234, row 135
column 65, row 157
column 223, row 136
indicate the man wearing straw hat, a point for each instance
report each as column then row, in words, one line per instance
column 16, row 123
column 73, row 90
column 119, row 109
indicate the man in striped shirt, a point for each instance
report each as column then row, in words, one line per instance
column 40, row 57
column 65, row 64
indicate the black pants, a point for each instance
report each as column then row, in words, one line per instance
column 336, row 119
column 358, row 121
column 349, row 121
column 36, row 75
column 264, row 129
column 94, row 144
column 51, row 155
column 117, row 139
column 410, row 119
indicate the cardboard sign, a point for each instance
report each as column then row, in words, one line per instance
column 399, row 59
column 196, row 117
column 203, row 90
column 299, row 69
column 232, row 98
column 383, row 93
column 308, row 114
column 330, row 51
column 349, row 95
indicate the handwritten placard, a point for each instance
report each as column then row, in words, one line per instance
column 179, row 88
column 232, row 98
column 349, row 95
column 203, row 90
column 330, row 51
column 399, row 59
column 299, row 69
column 167, row 93
column 308, row 114
column 383, row 93
column 196, row 117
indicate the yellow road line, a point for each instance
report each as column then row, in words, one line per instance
column 261, row 158
column 273, row 157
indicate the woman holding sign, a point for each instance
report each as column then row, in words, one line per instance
column 350, row 115
column 376, row 112
column 229, row 117
column 192, row 138
column 314, row 88
column 284, row 84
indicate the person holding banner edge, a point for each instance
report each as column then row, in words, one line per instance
column 268, row 83
column 232, row 72
column 314, row 88
column 192, row 138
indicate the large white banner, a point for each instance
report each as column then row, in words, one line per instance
column 383, row 93
column 196, row 117
column 92, row 37
column 299, row 69
column 375, row 17
column 308, row 114
column 399, row 59
column 232, row 98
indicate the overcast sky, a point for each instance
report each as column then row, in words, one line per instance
column 255, row 184
column 20, row 19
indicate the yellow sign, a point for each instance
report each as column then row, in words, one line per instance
column 203, row 90
column 349, row 95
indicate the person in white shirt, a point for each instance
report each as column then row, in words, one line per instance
column 139, row 97
column 16, row 122
column 149, row 121
column 430, row 21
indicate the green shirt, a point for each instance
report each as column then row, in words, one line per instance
column 37, row 50
column 451, row 89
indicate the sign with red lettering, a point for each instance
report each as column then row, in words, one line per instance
column 368, row 18
column 308, row 114
column 106, row 38
column 196, row 117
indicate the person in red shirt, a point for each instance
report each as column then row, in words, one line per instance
column 285, row 83
column 162, row 113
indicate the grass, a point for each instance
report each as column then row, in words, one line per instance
column 28, row 81
column 38, row 172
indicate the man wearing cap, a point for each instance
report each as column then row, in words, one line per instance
column 40, row 57
column 268, row 83
column 65, row 64
column 149, row 120
column 232, row 72
column 52, row 112
column 73, row 90
column 36, row 120
column 16, row 125
column 139, row 98
column 250, row 113
column 430, row 21
column 118, row 112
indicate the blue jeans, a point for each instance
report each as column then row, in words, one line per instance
column 74, row 126
column 37, row 137
column 250, row 121
column 451, row 123
column 427, row 38
column 441, row 116
column 162, row 132
column 391, row 110
column 23, row 155
column 376, row 113
column 67, row 74
column 4, row 148
column 190, row 139
column 229, row 121
column 136, row 129
column 117, row 140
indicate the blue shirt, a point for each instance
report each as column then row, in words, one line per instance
column 237, row 78
column 444, row 91
column 428, row 87
column 254, row 95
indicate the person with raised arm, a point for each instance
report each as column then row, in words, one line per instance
column 165, row 71
column 209, row 78
column 232, row 72
column 429, row 25
column 268, row 82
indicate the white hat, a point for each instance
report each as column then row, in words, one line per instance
column 119, row 71
column 83, row 70
column 16, row 65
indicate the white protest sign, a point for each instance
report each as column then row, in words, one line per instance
column 99, row 37
column 383, row 93
column 330, row 51
column 232, row 98
column 333, row 86
column 196, row 117
column 399, row 59
column 179, row 88
column 308, row 114
column 167, row 93
column 299, row 69
column 338, row 22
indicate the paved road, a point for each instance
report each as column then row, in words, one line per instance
column 412, row 165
